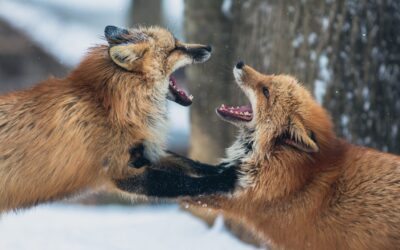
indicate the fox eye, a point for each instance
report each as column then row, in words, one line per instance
column 265, row 92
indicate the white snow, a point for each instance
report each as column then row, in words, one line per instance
column 323, row 66
column 98, row 5
column 60, row 28
column 60, row 227
column 313, row 55
column 297, row 41
column 324, row 77
column 312, row 38
column 319, row 90
column 344, row 120
column 226, row 8
column 324, row 23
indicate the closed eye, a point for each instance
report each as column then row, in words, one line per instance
column 266, row 92
column 177, row 47
column 172, row 50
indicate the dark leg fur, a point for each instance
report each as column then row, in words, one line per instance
column 175, row 176
column 137, row 159
column 163, row 184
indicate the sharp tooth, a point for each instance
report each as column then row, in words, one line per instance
column 241, row 113
column 191, row 97
column 223, row 105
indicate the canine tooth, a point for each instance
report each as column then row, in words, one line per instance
column 191, row 97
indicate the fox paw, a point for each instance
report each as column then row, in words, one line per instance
column 137, row 158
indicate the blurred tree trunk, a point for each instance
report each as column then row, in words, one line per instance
column 347, row 52
column 145, row 12
column 211, row 82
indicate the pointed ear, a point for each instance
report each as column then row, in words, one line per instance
column 115, row 35
column 300, row 137
column 127, row 54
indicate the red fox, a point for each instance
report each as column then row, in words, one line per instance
column 67, row 135
column 291, row 180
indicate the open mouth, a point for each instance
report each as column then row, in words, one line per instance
column 177, row 94
column 239, row 113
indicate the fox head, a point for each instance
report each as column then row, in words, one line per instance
column 283, row 123
column 281, row 111
column 154, row 54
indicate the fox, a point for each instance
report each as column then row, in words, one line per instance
column 290, row 179
column 68, row 135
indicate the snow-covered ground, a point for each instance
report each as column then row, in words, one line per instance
column 50, row 227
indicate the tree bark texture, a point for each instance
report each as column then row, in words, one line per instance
column 346, row 52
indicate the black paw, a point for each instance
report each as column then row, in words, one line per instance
column 137, row 159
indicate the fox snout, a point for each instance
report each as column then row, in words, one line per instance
column 245, row 74
column 239, row 72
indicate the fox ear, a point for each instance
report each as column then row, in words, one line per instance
column 300, row 137
column 126, row 55
column 125, row 47
column 115, row 35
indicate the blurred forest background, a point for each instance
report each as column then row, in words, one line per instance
column 347, row 52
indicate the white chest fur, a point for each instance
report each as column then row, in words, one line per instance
column 240, row 155
column 155, row 145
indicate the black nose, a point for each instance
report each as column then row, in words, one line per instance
column 208, row 48
column 240, row 65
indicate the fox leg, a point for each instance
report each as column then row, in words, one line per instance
column 172, row 163
column 174, row 176
column 137, row 158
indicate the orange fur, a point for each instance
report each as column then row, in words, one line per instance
column 340, row 197
column 67, row 135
